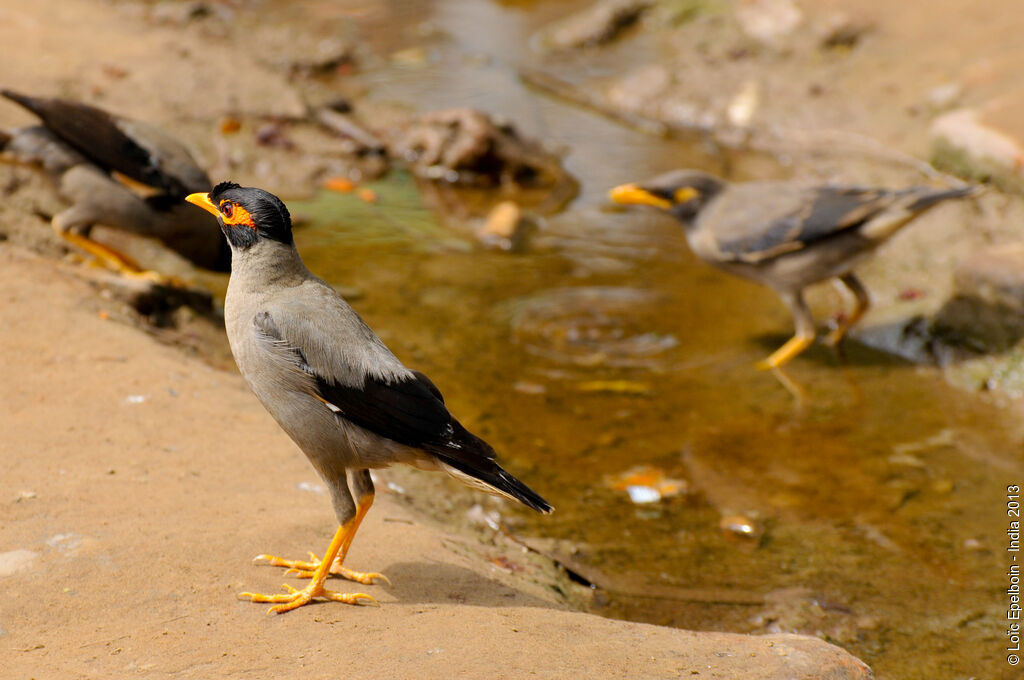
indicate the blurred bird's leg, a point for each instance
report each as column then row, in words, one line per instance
column 863, row 303
column 804, row 336
column 362, row 487
column 73, row 226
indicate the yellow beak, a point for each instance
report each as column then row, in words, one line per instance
column 631, row 194
column 204, row 202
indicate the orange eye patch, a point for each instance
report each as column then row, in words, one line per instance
column 235, row 215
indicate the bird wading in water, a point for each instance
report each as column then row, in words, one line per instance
column 333, row 386
column 786, row 235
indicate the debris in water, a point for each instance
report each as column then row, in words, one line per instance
column 229, row 125
column 614, row 386
column 740, row 525
column 646, row 484
column 643, row 494
column 343, row 185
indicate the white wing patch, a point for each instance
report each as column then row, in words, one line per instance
column 332, row 407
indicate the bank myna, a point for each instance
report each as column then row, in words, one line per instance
column 120, row 173
column 785, row 234
column 332, row 385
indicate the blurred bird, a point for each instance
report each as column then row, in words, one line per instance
column 120, row 173
column 332, row 385
column 785, row 234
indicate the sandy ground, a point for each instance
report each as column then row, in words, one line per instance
column 138, row 483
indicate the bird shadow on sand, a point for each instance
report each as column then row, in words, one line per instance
column 441, row 583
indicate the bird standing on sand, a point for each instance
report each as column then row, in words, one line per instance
column 332, row 385
column 120, row 173
column 785, row 234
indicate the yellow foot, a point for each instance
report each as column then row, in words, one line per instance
column 836, row 335
column 120, row 262
column 782, row 355
column 304, row 569
column 293, row 599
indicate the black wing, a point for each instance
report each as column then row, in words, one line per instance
column 96, row 134
column 411, row 411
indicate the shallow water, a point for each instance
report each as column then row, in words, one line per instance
column 874, row 493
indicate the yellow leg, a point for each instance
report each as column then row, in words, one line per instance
column 863, row 302
column 795, row 345
column 306, row 569
column 336, row 552
column 802, row 338
column 116, row 260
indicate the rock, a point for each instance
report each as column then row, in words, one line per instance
column 634, row 91
column 945, row 96
column 600, row 23
column 325, row 57
column 744, row 105
column 841, row 31
column 469, row 147
column 769, row 22
column 178, row 13
column 962, row 143
column 986, row 312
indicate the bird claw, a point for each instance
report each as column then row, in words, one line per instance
column 303, row 569
column 294, row 598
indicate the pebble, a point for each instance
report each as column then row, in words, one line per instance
column 14, row 561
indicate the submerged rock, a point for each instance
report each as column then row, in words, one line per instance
column 600, row 23
column 986, row 312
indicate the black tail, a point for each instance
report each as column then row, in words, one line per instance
column 97, row 135
column 930, row 197
column 26, row 101
column 474, row 458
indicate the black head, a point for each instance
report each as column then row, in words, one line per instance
column 681, row 192
column 246, row 214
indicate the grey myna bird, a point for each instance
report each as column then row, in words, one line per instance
column 120, row 173
column 332, row 385
column 786, row 235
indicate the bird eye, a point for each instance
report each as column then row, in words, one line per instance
column 227, row 208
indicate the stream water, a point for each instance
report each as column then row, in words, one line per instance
column 870, row 512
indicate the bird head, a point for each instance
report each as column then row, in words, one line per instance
column 247, row 215
column 682, row 192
